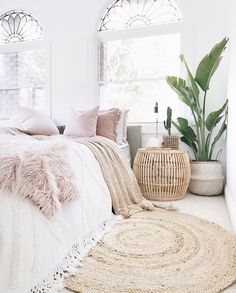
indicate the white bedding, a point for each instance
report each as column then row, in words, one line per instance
column 31, row 246
column 125, row 148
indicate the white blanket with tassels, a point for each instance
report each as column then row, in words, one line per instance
column 31, row 246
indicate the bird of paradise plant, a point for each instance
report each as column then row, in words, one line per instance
column 193, row 91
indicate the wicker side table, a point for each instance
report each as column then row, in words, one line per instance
column 162, row 174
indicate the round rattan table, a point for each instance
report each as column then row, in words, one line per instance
column 162, row 174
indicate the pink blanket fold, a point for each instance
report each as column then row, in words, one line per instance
column 40, row 173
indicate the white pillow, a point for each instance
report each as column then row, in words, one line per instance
column 33, row 122
column 121, row 129
column 125, row 124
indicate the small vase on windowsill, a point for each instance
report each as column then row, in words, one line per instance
column 170, row 141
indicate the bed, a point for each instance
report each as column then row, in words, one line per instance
column 125, row 149
column 34, row 250
column 130, row 147
column 31, row 246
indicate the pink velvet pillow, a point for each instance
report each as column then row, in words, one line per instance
column 82, row 124
column 33, row 122
column 107, row 123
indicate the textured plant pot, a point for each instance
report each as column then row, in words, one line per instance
column 206, row 178
column 171, row 141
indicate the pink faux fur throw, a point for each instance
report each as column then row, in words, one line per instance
column 40, row 173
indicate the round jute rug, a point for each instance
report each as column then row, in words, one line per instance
column 159, row 252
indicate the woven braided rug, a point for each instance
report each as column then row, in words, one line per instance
column 158, row 252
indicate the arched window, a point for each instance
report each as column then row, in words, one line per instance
column 140, row 44
column 22, row 63
column 19, row 26
column 125, row 14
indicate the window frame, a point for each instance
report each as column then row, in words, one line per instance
column 152, row 31
column 134, row 33
column 29, row 46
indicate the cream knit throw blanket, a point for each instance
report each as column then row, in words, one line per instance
column 126, row 195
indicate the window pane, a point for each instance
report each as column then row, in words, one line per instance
column 22, row 81
column 140, row 98
column 141, row 58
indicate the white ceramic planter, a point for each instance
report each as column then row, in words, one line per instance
column 206, row 178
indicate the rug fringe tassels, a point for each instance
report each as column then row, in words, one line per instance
column 55, row 281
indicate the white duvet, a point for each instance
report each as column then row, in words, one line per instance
column 31, row 246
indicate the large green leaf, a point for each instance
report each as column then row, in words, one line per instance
column 186, row 129
column 191, row 80
column 214, row 118
column 179, row 86
column 190, row 144
column 189, row 136
column 217, row 137
column 185, row 93
column 220, row 133
column 209, row 64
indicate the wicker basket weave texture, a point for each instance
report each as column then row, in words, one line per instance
column 162, row 174
column 171, row 141
column 206, row 178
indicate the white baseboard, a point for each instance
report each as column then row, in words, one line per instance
column 231, row 206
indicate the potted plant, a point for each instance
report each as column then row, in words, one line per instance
column 169, row 141
column 206, row 177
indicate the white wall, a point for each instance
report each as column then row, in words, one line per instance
column 231, row 140
column 70, row 27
